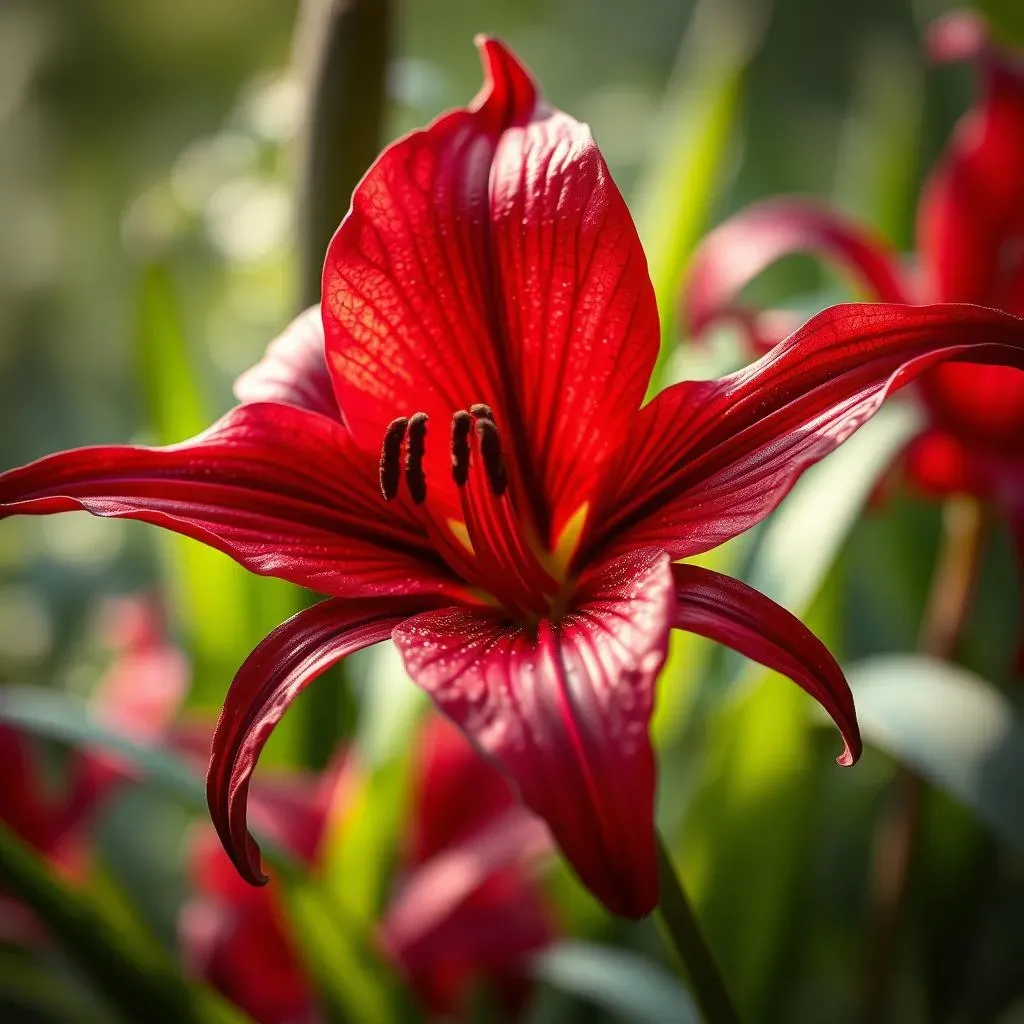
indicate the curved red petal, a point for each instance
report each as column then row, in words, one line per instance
column 731, row 613
column 294, row 369
column 706, row 461
column 274, row 674
column 563, row 709
column 279, row 489
column 740, row 249
column 490, row 258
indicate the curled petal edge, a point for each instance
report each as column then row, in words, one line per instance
column 277, row 671
column 729, row 612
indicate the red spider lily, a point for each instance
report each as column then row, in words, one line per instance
column 487, row 333
column 970, row 249
column 467, row 908
column 138, row 697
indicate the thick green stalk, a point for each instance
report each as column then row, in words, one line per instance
column 896, row 832
column 341, row 51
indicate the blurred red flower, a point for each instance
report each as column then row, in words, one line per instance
column 466, row 908
column 970, row 248
column 138, row 697
column 488, row 281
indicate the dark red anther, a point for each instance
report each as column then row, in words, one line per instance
column 490, row 453
column 415, row 446
column 462, row 423
column 479, row 411
column 391, row 458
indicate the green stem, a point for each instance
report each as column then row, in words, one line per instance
column 341, row 50
column 896, row 831
column 680, row 924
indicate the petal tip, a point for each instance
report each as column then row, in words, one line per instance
column 250, row 867
column 508, row 86
column 850, row 755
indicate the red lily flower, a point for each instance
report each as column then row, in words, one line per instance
column 466, row 909
column 138, row 696
column 487, row 315
column 970, row 249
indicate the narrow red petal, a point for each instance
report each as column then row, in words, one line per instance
column 731, row 613
column 490, row 258
column 564, row 709
column 706, row 461
column 279, row 489
column 294, row 369
column 740, row 249
column 276, row 672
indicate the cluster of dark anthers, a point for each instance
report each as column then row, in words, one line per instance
column 411, row 433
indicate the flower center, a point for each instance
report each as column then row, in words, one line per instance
column 489, row 546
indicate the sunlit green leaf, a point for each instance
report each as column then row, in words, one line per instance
column 952, row 727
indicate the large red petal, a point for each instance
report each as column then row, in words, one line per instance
column 276, row 672
column 490, row 258
column 408, row 288
column 731, row 613
column 706, row 461
column 279, row 489
column 740, row 249
column 579, row 315
column 294, row 369
column 564, row 709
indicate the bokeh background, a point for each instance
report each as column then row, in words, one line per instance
column 149, row 161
